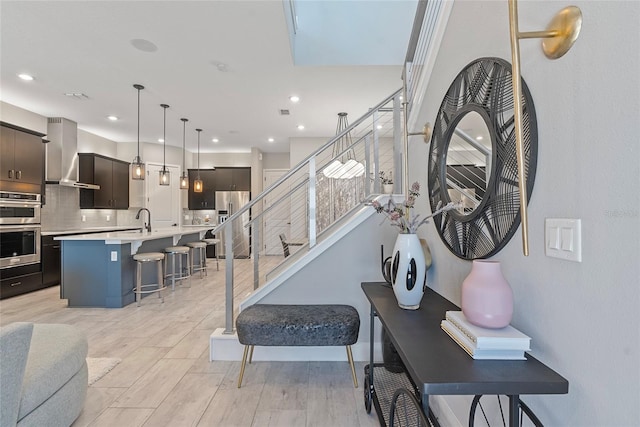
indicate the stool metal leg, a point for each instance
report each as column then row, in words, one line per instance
column 251, row 354
column 353, row 368
column 187, row 267
column 244, row 361
column 138, row 282
column 160, row 282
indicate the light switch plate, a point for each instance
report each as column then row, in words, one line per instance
column 114, row 255
column 563, row 239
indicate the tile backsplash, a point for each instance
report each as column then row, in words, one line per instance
column 62, row 212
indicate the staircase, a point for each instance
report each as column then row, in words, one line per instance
column 326, row 198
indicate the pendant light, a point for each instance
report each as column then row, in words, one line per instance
column 197, row 183
column 165, row 176
column 351, row 168
column 137, row 167
column 184, row 179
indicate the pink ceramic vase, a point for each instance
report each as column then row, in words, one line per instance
column 487, row 298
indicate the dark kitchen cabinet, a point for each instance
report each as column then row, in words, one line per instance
column 17, row 285
column 21, row 159
column 206, row 199
column 218, row 179
column 111, row 175
column 50, row 261
column 233, row 179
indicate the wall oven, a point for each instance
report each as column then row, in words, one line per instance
column 20, row 245
column 19, row 208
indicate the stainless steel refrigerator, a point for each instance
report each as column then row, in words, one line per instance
column 228, row 203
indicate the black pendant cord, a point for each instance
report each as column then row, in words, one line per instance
column 198, row 130
column 164, row 138
column 184, row 133
column 139, row 87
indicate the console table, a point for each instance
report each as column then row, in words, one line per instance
column 437, row 365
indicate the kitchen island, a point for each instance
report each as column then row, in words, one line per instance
column 98, row 270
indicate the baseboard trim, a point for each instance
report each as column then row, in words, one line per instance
column 443, row 411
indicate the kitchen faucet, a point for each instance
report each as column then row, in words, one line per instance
column 147, row 226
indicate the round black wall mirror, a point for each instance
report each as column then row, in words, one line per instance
column 472, row 159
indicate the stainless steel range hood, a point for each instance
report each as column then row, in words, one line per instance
column 62, row 154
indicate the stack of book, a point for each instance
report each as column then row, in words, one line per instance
column 486, row 344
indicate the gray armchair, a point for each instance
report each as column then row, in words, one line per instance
column 43, row 374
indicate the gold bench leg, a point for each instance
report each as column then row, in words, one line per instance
column 353, row 368
column 244, row 361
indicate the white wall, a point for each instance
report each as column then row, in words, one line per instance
column 583, row 317
column 90, row 143
column 335, row 276
column 20, row 117
column 276, row 160
column 212, row 160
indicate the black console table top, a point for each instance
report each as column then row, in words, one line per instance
column 437, row 365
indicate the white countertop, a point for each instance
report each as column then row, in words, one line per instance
column 135, row 238
column 88, row 230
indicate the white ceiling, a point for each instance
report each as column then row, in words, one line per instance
column 85, row 47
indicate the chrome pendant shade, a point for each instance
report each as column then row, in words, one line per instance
column 164, row 175
column 197, row 183
column 137, row 166
column 351, row 168
column 184, row 178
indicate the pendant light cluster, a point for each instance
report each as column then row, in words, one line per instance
column 184, row 179
column 351, row 168
column 137, row 166
column 164, row 175
column 197, row 183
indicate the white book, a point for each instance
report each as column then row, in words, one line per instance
column 507, row 338
column 479, row 354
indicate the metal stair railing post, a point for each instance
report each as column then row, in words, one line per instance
column 255, row 247
column 312, row 202
column 228, row 262
column 398, row 158
column 376, row 154
column 367, row 169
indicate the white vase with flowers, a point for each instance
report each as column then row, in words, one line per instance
column 408, row 266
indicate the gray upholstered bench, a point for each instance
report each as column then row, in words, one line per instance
column 297, row 325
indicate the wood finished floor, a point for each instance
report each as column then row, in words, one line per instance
column 165, row 377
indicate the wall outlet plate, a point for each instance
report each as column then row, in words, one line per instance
column 114, row 256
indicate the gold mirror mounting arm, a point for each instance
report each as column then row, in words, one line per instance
column 426, row 133
column 559, row 37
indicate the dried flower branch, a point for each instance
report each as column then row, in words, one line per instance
column 400, row 214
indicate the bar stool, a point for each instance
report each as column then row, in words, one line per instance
column 139, row 289
column 173, row 254
column 201, row 248
column 213, row 242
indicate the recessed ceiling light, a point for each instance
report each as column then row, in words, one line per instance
column 144, row 45
column 400, row 97
column 300, row 127
column 379, row 126
column 160, row 140
column 26, row 77
column 294, row 98
column 112, row 118
column 270, row 139
column 215, row 140
column 479, row 138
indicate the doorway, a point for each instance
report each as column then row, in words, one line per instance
column 163, row 200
